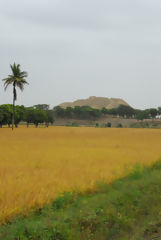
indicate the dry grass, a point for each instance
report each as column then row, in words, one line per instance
column 37, row 164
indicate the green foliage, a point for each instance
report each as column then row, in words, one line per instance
column 105, row 111
column 119, row 125
column 128, row 207
column 41, row 113
column 153, row 112
column 29, row 115
column 44, row 107
column 6, row 114
column 108, row 124
column 50, row 117
column 62, row 201
column 17, row 79
column 68, row 112
column 159, row 110
column 127, row 111
column 74, row 124
column 145, row 114
column 19, row 114
column 35, row 116
column 84, row 112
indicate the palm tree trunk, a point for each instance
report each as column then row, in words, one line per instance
column 13, row 113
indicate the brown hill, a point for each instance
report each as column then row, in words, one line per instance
column 96, row 102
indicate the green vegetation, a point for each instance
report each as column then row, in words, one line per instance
column 17, row 79
column 34, row 115
column 77, row 112
column 108, row 124
column 42, row 114
column 86, row 112
column 129, row 208
column 144, row 124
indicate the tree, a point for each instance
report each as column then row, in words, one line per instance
column 40, row 116
column 50, row 118
column 153, row 112
column 59, row 112
column 19, row 114
column 6, row 112
column 1, row 117
column 49, row 113
column 44, row 107
column 29, row 115
column 105, row 111
column 124, row 110
column 35, row 116
column 159, row 110
column 17, row 79
column 77, row 112
column 69, row 112
column 141, row 114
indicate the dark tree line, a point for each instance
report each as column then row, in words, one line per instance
column 86, row 112
column 41, row 114
column 30, row 115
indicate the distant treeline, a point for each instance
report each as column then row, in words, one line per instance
column 86, row 112
column 42, row 114
column 34, row 115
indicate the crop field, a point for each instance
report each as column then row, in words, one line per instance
column 37, row 164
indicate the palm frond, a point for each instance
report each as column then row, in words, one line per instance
column 7, row 81
column 20, row 82
column 15, row 69
column 6, row 86
column 17, row 79
column 23, row 74
column 20, row 85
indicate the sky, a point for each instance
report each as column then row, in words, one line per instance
column 73, row 49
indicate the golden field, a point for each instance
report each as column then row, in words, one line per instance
column 38, row 164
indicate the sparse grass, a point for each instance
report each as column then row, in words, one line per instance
column 37, row 165
column 127, row 209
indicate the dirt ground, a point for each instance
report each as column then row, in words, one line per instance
column 115, row 122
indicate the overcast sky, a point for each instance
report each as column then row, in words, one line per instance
column 74, row 49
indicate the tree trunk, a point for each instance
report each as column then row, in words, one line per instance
column 13, row 113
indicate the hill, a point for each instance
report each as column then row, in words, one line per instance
column 96, row 102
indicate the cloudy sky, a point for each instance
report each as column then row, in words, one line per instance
column 79, row 48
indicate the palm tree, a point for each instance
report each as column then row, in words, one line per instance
column 17, row 79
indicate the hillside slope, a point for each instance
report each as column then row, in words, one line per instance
column 96, row 102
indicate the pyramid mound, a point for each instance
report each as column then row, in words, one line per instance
column 96, row 102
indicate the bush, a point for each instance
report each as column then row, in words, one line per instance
column 108, row 124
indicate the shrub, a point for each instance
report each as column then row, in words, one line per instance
column 108, row 124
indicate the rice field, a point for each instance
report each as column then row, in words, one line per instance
column 38, row 164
